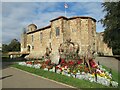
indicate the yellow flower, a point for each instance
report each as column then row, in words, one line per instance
column 102, row 74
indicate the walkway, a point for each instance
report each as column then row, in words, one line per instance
column 14, row 78
column 109, row 62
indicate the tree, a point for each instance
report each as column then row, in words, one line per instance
column 14, row 45
column 111, row 22
column 5, row 48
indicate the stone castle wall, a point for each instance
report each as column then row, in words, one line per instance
column 101, row 46
column 81, row 30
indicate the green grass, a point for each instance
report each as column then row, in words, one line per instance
column 61, row 78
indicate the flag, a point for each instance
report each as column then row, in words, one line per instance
column 65, row 5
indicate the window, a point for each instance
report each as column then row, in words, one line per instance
column 50, row 34
column 41, row 36
column 28, row 48
column 32, row 38
column 50, row 45
column 57, row 31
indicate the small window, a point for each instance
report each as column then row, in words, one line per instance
column 50, row 45
column 57, row 31
column 41, row 36
column 50, row 34
column 32, row 38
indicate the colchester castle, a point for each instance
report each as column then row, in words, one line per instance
column 80, row 29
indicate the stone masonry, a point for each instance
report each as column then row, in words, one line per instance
column 81, row 30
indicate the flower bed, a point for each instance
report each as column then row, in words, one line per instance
column 77, row 69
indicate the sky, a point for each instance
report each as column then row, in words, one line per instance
column 18, row 15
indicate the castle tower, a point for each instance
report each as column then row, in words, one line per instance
column 23, row 40
column 31, row 27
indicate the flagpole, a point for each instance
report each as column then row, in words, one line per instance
column 65, row 12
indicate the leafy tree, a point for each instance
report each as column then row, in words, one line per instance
column 111, row 22
column 5, row 48
column 14, row 45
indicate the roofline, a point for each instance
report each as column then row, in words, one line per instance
column 72, row 18
column 43, row 28
column 83, row 17
column 60, row 18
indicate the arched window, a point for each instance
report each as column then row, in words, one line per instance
column 57, row 31
column 32, row 38
column 28, row 48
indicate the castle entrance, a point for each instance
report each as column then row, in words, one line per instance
column 28, row 48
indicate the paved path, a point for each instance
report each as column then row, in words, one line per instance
column 14, row 78
column 109, row 62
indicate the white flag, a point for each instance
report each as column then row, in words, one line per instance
column 65, row 5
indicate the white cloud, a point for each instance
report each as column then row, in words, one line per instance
column 16, row 16
column 53, row 0
column 92, row 9
column 0, row 23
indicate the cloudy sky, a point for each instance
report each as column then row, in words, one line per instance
column 17, row 15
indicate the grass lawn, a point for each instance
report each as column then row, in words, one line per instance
column 64, row 79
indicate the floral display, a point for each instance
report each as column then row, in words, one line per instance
column 76, row 69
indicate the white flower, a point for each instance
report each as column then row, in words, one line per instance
column 51, row 70
column 83, row 73
column 91, row 79
column 22, row 63
column 72, row 75
column 114, row 84
column 77, row 75
column 46, row 69
column 68, row 75
column 29, row 65
column 58, row 71
column 37, row 66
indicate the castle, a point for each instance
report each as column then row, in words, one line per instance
column 80, row 29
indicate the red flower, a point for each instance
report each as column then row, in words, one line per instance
column 71, row 63
column 79, row 62
column 93, row 64
column 28, row 62
column 48, row 61
column 62, row 61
